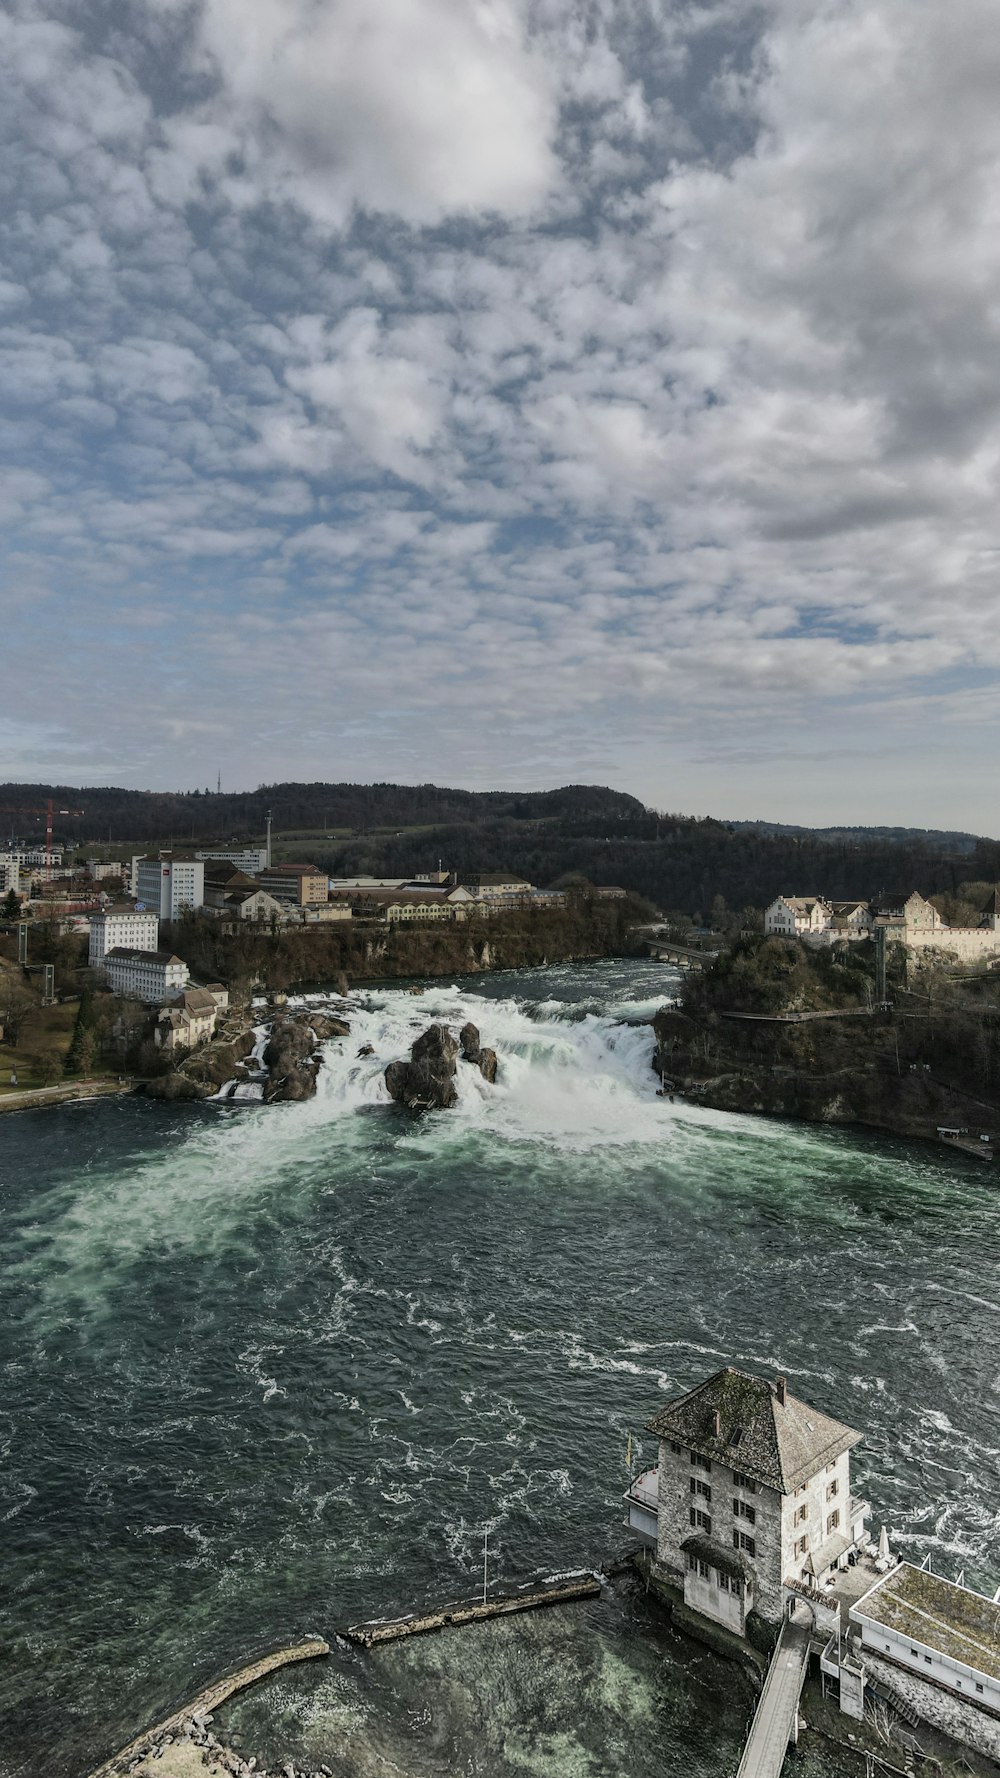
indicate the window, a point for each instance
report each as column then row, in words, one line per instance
column 832, row 1522
column 832, row 1490
column 723, row 1583
column 927, row 1658
column 743, row 1511
column 744, row 1481
column 830, row 1466
column 915, row 1655
column 802, row 1546
column 704, row 1570
column 702, row 1488
column 978, row 1686
column 701, row 1462
column 701, row 1521
column 675, row 1447
column 742, row 1542
column 801, row 1514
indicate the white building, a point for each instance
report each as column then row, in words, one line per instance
column 10, row 872
column 251, row 859
column 936, row 1629
column 169, row 883
column 152, row 976
column 753, row 1495
column 790, row 916
column 187, row 1021
column 121, row 929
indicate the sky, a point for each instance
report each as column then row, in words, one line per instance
column 505, row 393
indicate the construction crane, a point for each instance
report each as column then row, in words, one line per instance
column 48, row 811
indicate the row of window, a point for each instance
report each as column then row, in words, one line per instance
column 740, row 1479
column 724, row 1582
column 929, row 1659
column 701, row 1521
column 741, row 1510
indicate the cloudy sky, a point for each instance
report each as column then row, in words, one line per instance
column 505, row 392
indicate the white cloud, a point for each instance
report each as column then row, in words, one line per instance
column 420, row 108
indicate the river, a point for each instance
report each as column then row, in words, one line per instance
column 270, row 1370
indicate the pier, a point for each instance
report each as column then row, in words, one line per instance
column 562, row 1592
column 775, row 1720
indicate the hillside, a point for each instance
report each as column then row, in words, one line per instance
column 679, row 862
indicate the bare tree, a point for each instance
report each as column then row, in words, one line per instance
column 17, row 1006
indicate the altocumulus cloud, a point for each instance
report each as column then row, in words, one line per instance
column 504, row 391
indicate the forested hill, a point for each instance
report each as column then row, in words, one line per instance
column 196, row 815
column 677, row 861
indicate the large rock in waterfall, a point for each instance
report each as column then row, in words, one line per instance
column 488, row 1065
column 427, row 1081
column 468, row 1037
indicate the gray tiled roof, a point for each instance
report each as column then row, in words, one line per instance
column 738, row 1419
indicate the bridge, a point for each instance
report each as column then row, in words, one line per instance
column 682, row 956
column 775, row 1720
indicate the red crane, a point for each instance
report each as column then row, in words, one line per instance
column 48, row 811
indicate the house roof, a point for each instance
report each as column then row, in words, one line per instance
column 495, row 879
column 717, row 1556
column 740, row 1420
column 128, row 955
column 992, row 905
column 937, row 1613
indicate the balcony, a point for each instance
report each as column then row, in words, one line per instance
column 641, row 1506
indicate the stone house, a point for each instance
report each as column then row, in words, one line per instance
column 753, row 1495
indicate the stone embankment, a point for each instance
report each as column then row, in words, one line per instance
column 184, row 1746
column 427, row 1081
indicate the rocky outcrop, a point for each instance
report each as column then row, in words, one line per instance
column 427, row 1081
column 175, row 1087
column 215, row 1063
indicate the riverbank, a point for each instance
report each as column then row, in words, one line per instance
column 33, row 1098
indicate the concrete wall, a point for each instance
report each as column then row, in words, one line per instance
column 715, row 1601
column 944, row 1710
column 926, row 1663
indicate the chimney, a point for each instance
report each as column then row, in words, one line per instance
column 717, row 1424
column 780, row 1389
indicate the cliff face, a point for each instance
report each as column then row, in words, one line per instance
column 855, row 1072
column 525, row 939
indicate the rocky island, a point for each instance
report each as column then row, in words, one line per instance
column 778, row 1028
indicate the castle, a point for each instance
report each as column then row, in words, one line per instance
column 910, row 920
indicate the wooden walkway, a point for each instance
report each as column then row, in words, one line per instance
column 774, row 1719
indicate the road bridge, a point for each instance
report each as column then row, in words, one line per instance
column 775, row 1719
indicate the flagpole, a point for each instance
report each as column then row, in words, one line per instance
column 486, row 1539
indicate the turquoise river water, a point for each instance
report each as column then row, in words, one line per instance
column 268, row 1371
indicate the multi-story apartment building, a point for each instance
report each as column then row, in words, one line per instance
column 152, row 976
column 301, row 884
column 169, row 883
column 121, row 929
column 10, row 872
column 753, row 1494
